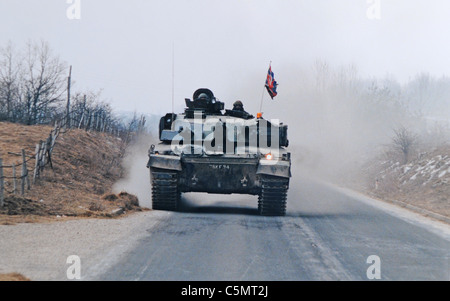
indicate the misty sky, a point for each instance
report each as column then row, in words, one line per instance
column 125, row 47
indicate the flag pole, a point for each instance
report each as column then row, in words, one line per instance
column 262, row 98
column 264, row 87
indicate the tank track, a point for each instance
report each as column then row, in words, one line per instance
column 273, row 197
column 165, row 192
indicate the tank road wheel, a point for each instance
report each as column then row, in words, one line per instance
column 259, row 204
column 273, row 196
column 165, row 192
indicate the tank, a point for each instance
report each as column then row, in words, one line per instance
column 221, row 151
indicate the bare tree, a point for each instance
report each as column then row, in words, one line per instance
column 10, row 69
column 403, row 142
column 32, row 91
column 321, row 71
column 89, row 112
column 346, row 77
column 422, row 94
column 44, row 81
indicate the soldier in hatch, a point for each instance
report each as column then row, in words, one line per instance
column 238, row 106
column 238, row 110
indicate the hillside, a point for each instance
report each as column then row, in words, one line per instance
column 85, row 166
column 423, row 182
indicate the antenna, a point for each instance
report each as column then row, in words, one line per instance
column 173, row 76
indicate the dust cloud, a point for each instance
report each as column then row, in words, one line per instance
column 337, row 119
column 136, row 179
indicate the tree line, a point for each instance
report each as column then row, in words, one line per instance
column 34, row 86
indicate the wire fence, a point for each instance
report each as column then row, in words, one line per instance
column 42, row 157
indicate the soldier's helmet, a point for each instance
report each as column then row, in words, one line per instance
column 203, row 96
column 238, row 105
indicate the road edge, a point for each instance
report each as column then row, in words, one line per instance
column 434, row 222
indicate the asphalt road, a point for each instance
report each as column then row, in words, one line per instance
column 326, row 235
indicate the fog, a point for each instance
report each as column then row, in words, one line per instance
column 349, row 72
column 125, row 47
column 338, row 120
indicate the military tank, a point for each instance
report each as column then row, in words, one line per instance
column 213, row 150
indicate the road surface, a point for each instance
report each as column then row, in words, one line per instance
column 327, row 235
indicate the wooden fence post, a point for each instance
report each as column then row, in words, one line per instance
column 24, row 172
column 27, row 178
column 2, row 186
column 14, row 178
column 41, row 156
column 55, row 136
column 36, row 164
column 44, row 153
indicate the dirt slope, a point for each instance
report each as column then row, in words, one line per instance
column 423, row 182
column 85, row 166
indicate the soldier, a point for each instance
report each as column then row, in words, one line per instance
column 238, row 106
column 238, row 110
column 204, row 97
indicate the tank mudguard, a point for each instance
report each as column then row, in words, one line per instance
column 164, row 162
column 274, row 168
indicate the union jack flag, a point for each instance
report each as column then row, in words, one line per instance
column 271, row 84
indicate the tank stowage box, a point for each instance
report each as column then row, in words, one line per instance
column 208, row 150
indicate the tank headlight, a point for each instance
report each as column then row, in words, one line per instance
column 269, row 156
